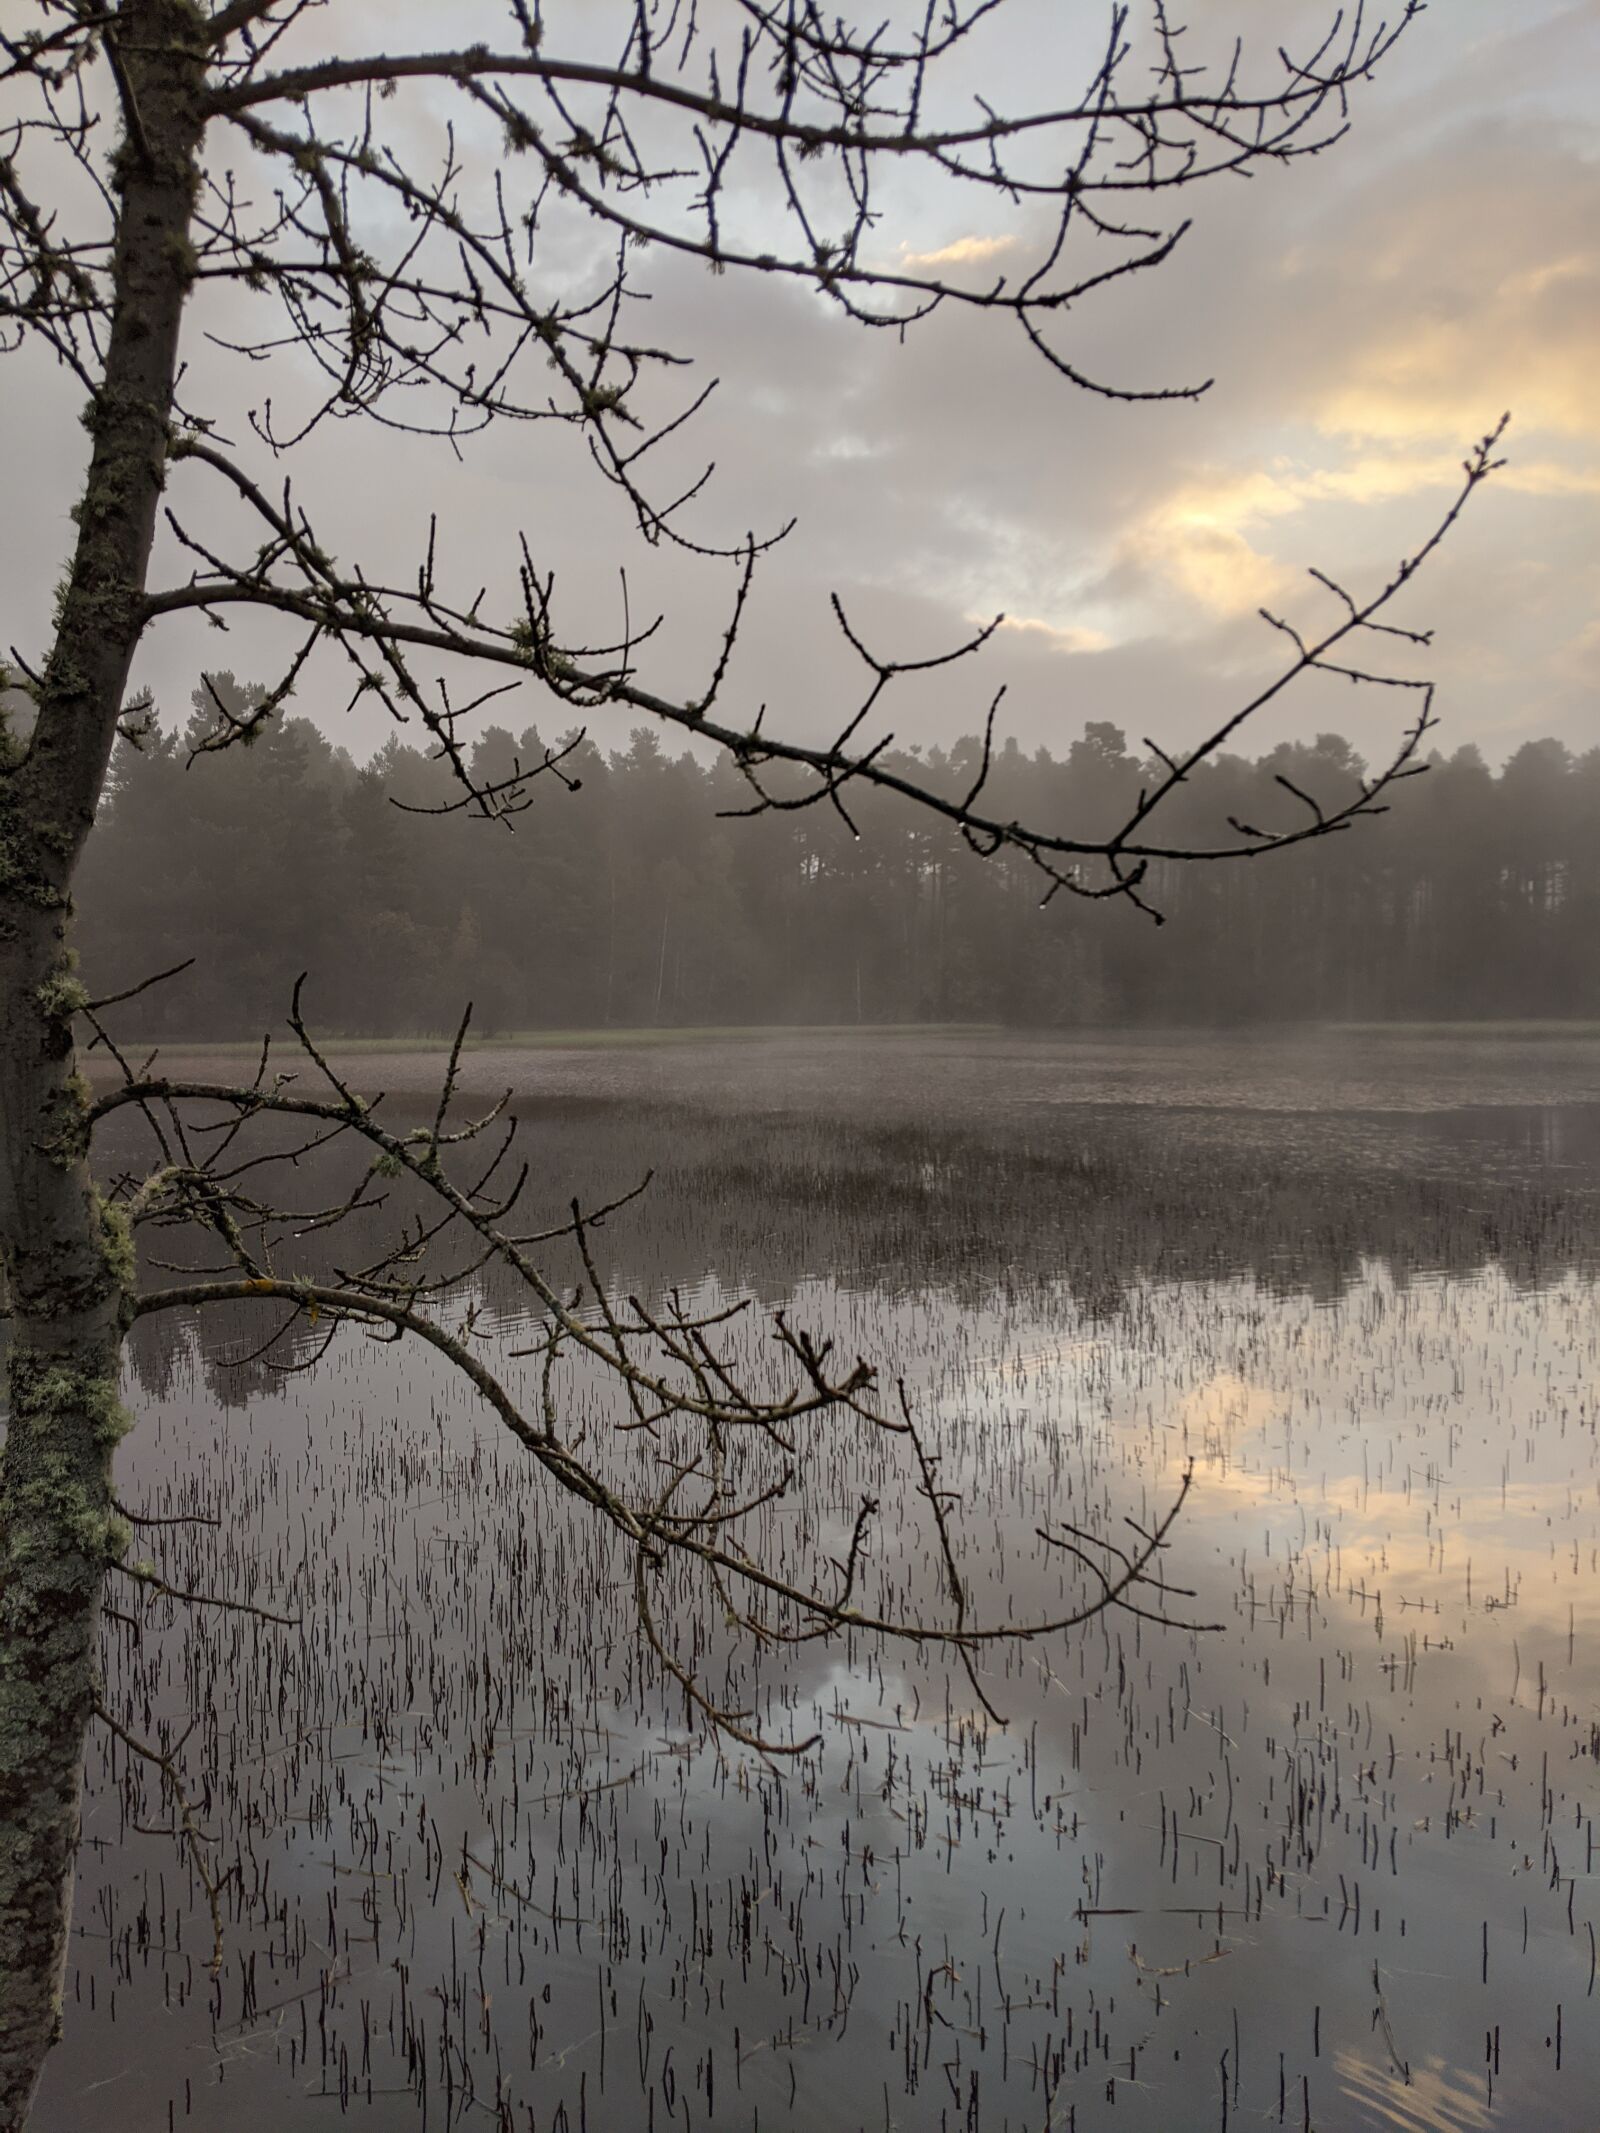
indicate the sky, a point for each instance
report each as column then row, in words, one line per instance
column 1366, row 315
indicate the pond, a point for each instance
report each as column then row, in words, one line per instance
column 1321, row 1854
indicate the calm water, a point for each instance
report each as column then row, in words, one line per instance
column 1329, row 1864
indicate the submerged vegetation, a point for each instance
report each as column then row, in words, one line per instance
column 1330, row 1864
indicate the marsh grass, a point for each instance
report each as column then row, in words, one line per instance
column 1332, row 1865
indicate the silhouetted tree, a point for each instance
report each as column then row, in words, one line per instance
column 638, row 907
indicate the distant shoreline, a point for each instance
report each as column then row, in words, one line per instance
column 568, row 1040
column 563, row 1040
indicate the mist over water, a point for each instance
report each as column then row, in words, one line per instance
column 1328, row 1864
column 639, row 900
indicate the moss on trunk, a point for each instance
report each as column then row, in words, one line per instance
column 66, row 1257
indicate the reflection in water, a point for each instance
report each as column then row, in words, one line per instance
column 1329, row 1865
column 1421, row 2099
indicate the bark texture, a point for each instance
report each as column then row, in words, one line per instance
column 66, row 1257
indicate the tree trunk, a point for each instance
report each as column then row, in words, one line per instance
column 67, row 1258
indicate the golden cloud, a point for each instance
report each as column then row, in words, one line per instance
column 1194, row 540
column 1060, row 637
column 1199, row 539
column 962, row 252
column 1531, row 342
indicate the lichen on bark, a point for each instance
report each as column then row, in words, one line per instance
column 66, row 1253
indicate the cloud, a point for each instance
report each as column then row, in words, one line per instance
column 1483, row 294
column 1366, row 315
column 1441, row 378
column 963, row 252
column 1203, row 560
column 1202, row 541
column 1070, row 637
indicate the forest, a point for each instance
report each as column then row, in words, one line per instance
column 619, row 897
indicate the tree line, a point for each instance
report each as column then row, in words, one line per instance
column 622, row 898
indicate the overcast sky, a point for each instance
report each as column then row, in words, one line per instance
column 1366, row 315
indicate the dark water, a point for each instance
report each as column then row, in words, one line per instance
column 1330, row 1864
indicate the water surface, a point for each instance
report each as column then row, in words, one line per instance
column 1329, row 1863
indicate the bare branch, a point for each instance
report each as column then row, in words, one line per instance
column 188, row 1823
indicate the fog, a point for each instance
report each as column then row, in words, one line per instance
column 625, row 897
